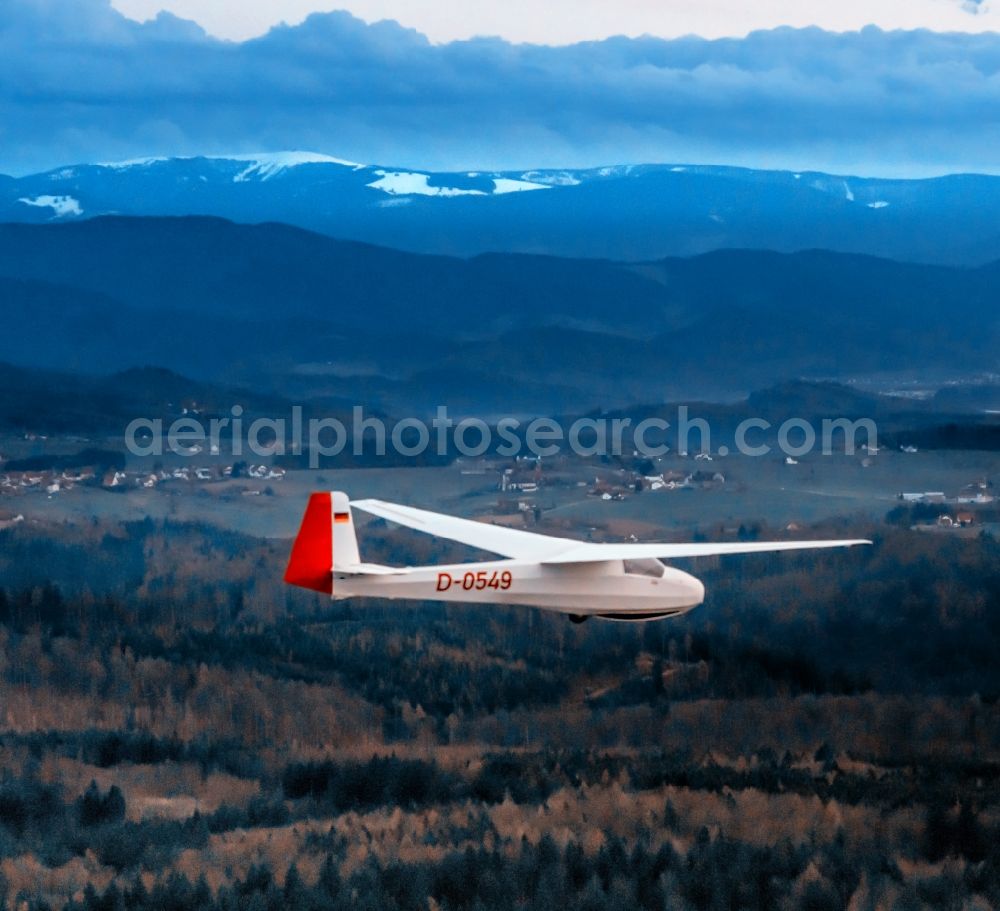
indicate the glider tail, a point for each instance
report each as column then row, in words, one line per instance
column 326, row 542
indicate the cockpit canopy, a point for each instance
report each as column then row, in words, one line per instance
column 653, row 568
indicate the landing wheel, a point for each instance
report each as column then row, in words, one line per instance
column 578, row 618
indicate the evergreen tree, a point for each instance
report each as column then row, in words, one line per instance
column 328, row 882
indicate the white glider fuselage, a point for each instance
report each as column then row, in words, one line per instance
column 602, row 588
column 612, row 581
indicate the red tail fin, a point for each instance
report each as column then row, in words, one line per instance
column 311, row 563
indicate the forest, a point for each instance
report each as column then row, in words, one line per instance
column 181, row 730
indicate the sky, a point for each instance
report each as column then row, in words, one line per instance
column 82, row 82
column 567, row 21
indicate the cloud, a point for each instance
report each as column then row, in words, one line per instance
column 569, row 21
column 80, row 82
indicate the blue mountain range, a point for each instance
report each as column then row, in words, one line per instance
column 623, row 212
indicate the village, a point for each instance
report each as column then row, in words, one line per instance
column 978, row 493
column 60, row 481
column 630, row 494
column 526, row 488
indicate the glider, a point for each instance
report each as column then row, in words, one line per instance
column 583, row 580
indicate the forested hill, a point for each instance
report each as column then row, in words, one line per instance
column 295, row 311
column 763, row 749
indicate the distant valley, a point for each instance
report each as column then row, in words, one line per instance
column 278, row 308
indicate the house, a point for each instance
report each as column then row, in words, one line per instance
column 85, row 474
column 927, row 496
column 979, row 498
column 965, row 519
column 262, row 472
column 508, row 482
column 977, row 492
column 707, row 480
column 477, row 467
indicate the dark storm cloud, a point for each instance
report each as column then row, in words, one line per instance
column 79, row 82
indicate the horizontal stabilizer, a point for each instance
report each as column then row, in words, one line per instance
column 367, row 569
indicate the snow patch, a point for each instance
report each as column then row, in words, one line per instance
column 615, row 170
column 266, row 165
column 560, row 179
column 407, row 183
column 64, row 174
column 410, row 183
column 848, row 192
column 259, row 164
column 677, row 169
column 878, row 204
column 130, row 163
column 509, row 185
column 61, row 206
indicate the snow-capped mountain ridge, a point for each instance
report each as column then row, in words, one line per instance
column 625, row 212
column 263, row 164
column 266, row 165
